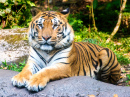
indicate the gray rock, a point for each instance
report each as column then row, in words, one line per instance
column 14, row 47
column 81, row 86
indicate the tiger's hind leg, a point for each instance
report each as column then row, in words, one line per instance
column 109, row 67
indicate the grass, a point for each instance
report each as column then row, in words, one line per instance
column 13, row 66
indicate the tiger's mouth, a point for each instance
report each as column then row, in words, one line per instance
column 46, row 47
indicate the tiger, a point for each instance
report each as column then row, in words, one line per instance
column 54, row 55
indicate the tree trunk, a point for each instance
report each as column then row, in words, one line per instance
column 90, row 17
column 118, row 23
column 93, row 20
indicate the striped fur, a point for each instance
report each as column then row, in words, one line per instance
column 54, row 55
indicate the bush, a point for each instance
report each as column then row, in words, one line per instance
column 16, row 12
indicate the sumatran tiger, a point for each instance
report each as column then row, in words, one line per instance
column 54, row 55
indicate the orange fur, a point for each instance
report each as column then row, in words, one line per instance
column 65, row 58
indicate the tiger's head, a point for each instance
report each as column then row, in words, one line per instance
column 50, row 30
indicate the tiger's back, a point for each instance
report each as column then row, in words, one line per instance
column 95, row 61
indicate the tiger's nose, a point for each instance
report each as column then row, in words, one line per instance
column 46, row 37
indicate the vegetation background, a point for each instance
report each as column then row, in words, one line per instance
column 93, row 21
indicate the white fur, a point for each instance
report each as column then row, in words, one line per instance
column 46, row 47
column 37, row 65
column 64, row 41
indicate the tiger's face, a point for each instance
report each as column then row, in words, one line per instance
column 50, row 30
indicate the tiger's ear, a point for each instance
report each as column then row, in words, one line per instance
column 35, row 11
column 65, row 12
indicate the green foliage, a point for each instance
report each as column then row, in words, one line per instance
column 128, row 76
column 111, row 5
column 75, row 22
column 16, row 12
column 95, row 4
column 107, row 15
column 12, row 66
column 120, row 47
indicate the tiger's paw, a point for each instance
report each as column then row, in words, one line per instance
column 36, row 83
column 20, row 80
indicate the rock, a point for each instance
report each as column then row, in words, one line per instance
column 80, row 86
column 14, row 46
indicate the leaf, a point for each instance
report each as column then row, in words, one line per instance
column 30, row 3
column 95, row 4
column 3, row 1
column 8, row 10
column 2, row 13
column 87, row 6
column 128, row 75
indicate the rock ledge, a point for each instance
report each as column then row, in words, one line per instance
column 81, row 86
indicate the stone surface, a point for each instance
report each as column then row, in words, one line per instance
column 81, row 86
column 13, row 45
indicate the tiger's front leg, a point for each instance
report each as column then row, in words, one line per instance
column 24, row 76
column 40, row 79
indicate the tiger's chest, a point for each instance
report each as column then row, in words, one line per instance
column 43, row 59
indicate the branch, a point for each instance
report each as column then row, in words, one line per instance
column 118, row 23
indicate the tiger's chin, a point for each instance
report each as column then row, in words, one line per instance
column 46, row 47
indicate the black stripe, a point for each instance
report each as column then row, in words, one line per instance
column 65, row 26
column 100, row 63
column 109, row 66
column 40, row 56
column 58, row 52
column 114, row 74
column 95, row 65
column 84, row 71
column 60, row 58
column 90, row 71
column 90, row 44
column 92, row 50
column 114, row 66
column 77, row 47
column 112, row 80
column 105, row 77
column 85, row 50
column 78, row 70
column 37, row 60
column 64, row 63
column 96, row 47
column 35, row 68
column 95, row 73
column 116, row 71
column 85, row 59
column 108, row 62
column 107, row 51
